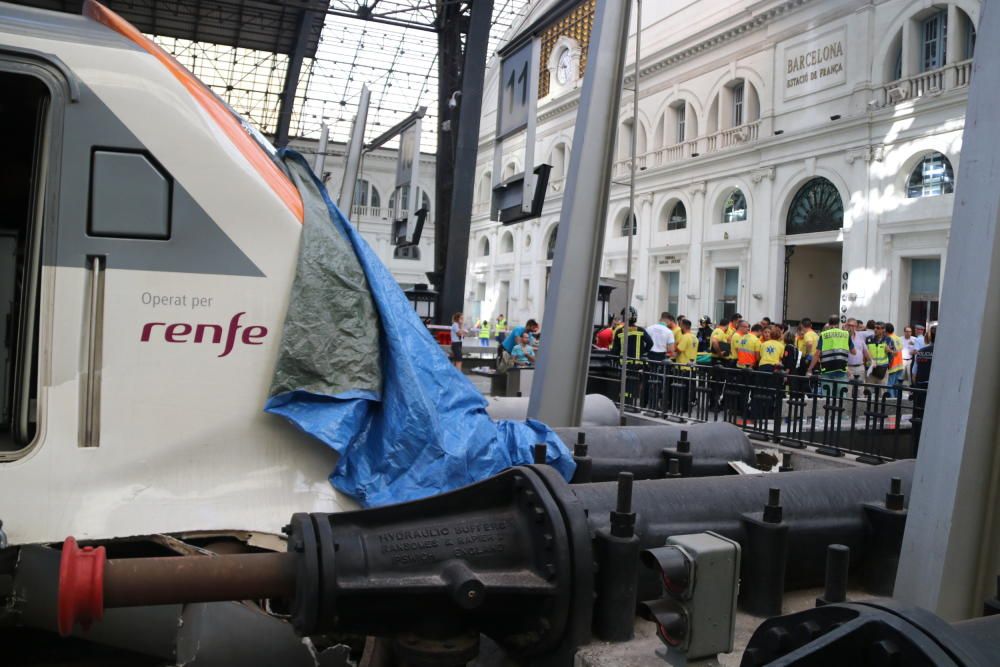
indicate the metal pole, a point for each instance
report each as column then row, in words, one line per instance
column 561, row 375
column 633, row 220
column 449, row 39
column 470, row 113
column 291, row 82
column 320, row 161
column 353, row 164
column 951, row 548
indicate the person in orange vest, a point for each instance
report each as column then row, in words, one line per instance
column 747, row 345
column 896, row 365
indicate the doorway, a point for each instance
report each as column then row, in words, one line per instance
column 23, row 112
column 812, row 282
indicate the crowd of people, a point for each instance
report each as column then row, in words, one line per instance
column 870, row 352
column 515, row 348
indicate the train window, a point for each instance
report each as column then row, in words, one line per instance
column 129, row 196
column 22, row 114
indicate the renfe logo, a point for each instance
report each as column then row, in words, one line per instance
column 180, row 332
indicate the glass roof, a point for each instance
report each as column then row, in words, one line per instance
column 398, row 62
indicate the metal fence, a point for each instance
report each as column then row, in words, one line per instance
column 876, row 422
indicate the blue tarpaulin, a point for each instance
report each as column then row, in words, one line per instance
column 412, row 427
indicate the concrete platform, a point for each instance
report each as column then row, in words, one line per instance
column 642, row 650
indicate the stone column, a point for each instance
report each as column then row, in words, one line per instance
column 762, row 217
column 911, row 48
column 696, row 283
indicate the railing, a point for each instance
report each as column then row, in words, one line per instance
column 962, row 73
column 672, row 153
column 949, row 77
column 734, row 136
column 876, row 422
column 623, row 168
column 372, row 212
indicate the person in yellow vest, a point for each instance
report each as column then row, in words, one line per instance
column 484, row 333
column 770, row 382
column 881, row 350
column 719, row 342
column 720, row 348
column 896, row 366
column 687, row 354
column 501, row 328
column 806, row 344
column 636, row 344
column 833, row 347
column 772, row 350
column 671, row 323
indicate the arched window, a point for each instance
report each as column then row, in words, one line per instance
column 411, row 252
column 486, row 188
column 425, row 202
column 625, row 227
column 625, row 132
column 931, row 177
column 677, row 217
column 550, row 249
column 506, row 243
column 558, row 161
column 736, row 104
column 735, row 207
column 817, row 207
column 484, row 247
column 365, row 194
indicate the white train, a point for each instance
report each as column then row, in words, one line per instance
column 148, row 241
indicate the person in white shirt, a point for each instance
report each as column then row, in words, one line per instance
column 919, row 336
column 663, row 339
column 910, row 347
column 857, row 355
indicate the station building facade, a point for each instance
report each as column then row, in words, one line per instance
column 795, row 158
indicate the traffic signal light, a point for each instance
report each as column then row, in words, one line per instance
column 700, row 575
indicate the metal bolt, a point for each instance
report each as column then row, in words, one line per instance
column 625, row 492
column 540, row 452
column 580, row 450
column 894, row 499
column 581, row 437
column 772, row 511
column 683, row 445
column 674, row 467
column 838, row 563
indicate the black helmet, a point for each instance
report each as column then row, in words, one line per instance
column 633, row 314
